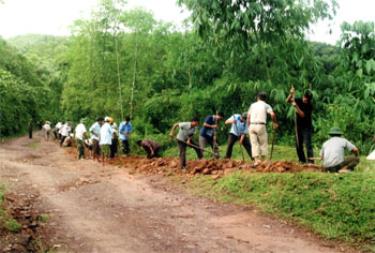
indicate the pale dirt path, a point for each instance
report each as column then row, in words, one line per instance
column 95, row 209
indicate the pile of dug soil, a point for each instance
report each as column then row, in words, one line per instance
column 208, row 167
column 28, row 238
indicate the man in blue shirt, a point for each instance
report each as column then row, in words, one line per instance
column 125, row 129
column 207, row 134
column 237, row 132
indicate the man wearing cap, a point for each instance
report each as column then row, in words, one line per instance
column 257, row 120
column 185, row 138
column 105, row 140
column 304, row 128
column 80, row 134
column 237, row 132
column 207, row 132
column 95, row 135
column 333, row 153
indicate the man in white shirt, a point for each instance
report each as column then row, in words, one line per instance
column 105, row 139
column 47, row 130
column 80, row 135
column 333, row 153
column 56, row 130
column 95, row 135
column 65, row 131
column 256, row 121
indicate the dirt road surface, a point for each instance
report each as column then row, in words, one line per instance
column 94, row 209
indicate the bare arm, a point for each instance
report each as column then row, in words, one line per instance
column 298, row 110
column 229, row 121
column 355, row 151
column 173, row 129
column 209, row 126
column 292, row 93
column 274, row 120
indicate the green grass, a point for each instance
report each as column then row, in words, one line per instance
column 6, row 221
column 337, row 206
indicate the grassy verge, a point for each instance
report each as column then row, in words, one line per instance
column 6, row 222
column 336, row 206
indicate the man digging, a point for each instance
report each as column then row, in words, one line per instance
column 304, row 128
column 257, row 120
column 185, row 138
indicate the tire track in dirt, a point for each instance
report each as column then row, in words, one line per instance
column 96, row 209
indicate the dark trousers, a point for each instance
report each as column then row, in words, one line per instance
column 349, row 162
column 30, row 133
column 182, row 148
column 203, row 141
column 232, row 139
column 62, row 140
column 95, row 149
column 80, row 148
column 125, row 147
column 113, row 148
column 304, row 136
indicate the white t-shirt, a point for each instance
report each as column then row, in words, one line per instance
column 46, row 127
column 80, row 131
column 65, row 130
column 371, row 156
column 333, row 151
column 258, row 112
column 185, row 131
column 106, row 132
column 95, row 130
column 239, row 127
column 58, row 125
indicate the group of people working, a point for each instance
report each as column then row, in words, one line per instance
column 249, row 129
column 103, row 138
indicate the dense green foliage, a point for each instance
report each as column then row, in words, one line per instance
column 122, row 62
column 334, row 205
column 23, row 95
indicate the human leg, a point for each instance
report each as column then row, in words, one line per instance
column 231, row 141
column 299, row 145
column 308, row 143
column 198, row 151
column 182, row 153
column 255, row 150
column 247, row 145
column 263, row 140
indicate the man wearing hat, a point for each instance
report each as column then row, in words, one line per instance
column 95, row 135
column 105, row 140
column 80, row 134
column 237, row 132
column 333, row 153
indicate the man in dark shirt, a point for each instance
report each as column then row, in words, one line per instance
column 207, row 133
column 152, row 148
column 304, row 128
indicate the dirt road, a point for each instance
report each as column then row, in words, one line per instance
column 95, row 209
